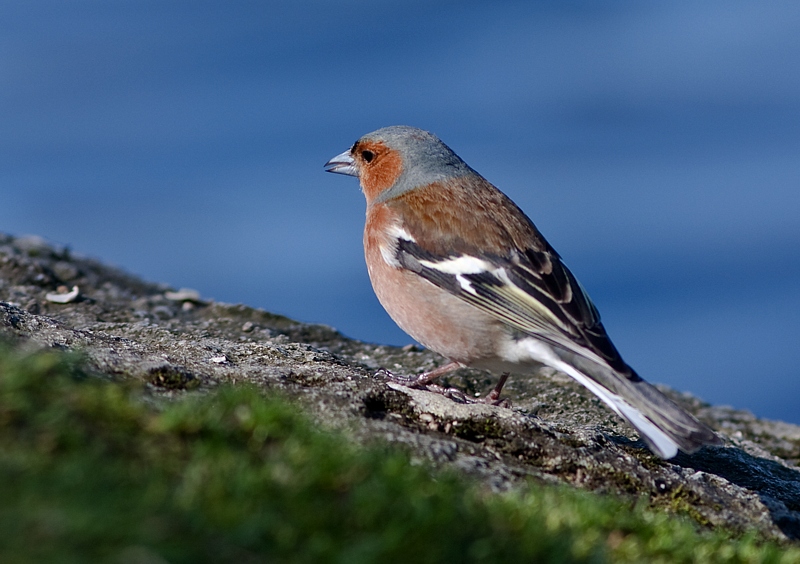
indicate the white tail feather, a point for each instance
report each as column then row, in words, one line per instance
column 658, row 440
column 664, row 446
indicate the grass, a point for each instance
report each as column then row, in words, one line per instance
column 90, row 472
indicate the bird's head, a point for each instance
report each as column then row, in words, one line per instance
column 393, row 160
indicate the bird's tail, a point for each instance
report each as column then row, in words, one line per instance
column 662, row 424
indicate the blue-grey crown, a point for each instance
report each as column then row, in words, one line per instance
column 426, row 158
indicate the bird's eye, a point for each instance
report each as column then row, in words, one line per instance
column 367, row 156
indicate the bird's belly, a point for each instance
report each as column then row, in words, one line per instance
column 435, row 318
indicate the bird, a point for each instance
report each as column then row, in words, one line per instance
column 461, row 269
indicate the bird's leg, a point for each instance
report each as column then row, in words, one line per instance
column 493, row 397
column 425, row 378
column 428, row 377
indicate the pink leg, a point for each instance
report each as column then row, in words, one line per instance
column 428, row 377
column 423, row 379
column 493, row 397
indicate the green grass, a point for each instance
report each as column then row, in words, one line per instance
column 90, row 472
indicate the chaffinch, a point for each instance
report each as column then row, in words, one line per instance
column 462, row 269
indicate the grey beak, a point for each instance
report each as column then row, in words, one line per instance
column 342, row 164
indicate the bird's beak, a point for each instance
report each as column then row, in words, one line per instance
column 342, row 164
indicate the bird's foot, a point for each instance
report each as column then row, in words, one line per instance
column 420, row 381
column 493, row 397
column 451, row 393
column 424, row 382
column 407, row 381
column 489, row 400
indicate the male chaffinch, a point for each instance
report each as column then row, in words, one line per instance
column 462, row 269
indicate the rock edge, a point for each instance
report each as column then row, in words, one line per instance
column 178, row 343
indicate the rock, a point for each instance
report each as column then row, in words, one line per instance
column 556, row 432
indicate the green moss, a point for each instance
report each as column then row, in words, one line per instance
column 88, row 472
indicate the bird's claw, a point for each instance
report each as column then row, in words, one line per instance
column 451, row 393
column 489, row 400
column 407, row 381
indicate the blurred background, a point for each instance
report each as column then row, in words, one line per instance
column 656, row 145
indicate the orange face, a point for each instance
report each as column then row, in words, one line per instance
column 378, row 167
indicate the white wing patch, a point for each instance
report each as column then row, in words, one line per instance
column 397, row 232
column 464, row 264
column 465, row 284
column 460, row 266
column 389, row 254
column 389, row 251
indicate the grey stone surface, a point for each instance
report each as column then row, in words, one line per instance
column 555, row 432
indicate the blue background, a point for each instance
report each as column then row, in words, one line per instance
column 655, row 144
